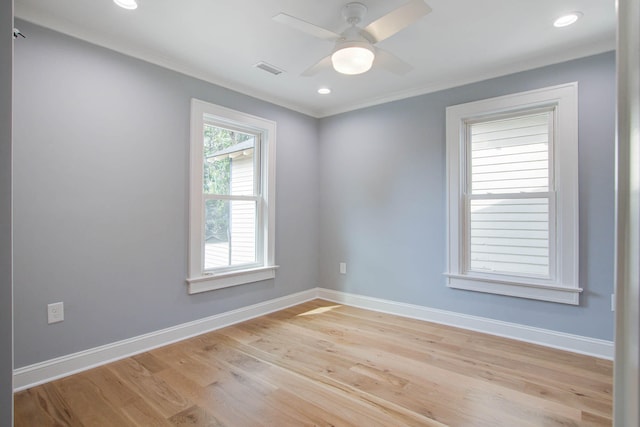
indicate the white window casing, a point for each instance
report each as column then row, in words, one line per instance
column 512, row 189
column 252, row 191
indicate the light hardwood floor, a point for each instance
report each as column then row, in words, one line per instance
column 324, row 364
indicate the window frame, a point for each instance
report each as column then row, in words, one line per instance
column 198, row 280
column 563, row 284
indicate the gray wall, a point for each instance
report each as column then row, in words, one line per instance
column 101, row 197
column 6, row 340
column 383, row 201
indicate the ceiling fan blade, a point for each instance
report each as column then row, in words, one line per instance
column 397, row 20
column 317, row 67
column 306, row 27
column 391, row 62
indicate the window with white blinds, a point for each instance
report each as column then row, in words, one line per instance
column 509, row 192
column 512, row 195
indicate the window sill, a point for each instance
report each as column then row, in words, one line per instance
column 542, row 292
column 233, row 278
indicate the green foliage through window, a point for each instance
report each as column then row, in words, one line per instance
column 217, row 178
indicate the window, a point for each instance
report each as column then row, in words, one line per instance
column 512, row 168
column 231, row 228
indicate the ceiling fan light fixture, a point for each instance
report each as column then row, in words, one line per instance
column 127, row 4
column 353, row 58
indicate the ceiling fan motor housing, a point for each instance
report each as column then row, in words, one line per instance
column 354, row 13
column 352, row 34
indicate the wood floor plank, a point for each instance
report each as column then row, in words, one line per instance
column 219, row 404
column 181, row 357
column 195, row 416
column 89, row 402
column 43, row 406
column 327, row 364
column 140, row 413
column 153, row 390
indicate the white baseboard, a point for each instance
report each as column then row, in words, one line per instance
column 49, row 370
column 574, row 343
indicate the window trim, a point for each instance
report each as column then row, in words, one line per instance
column 198, row 280
column 565, row 288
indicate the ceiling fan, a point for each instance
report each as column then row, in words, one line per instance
column 354, row 51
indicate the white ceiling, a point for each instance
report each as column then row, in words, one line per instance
column 460, row 41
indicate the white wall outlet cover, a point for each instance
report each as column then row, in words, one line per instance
column 343, row 268
column 55, row 312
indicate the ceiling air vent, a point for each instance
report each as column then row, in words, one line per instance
column 269, row 68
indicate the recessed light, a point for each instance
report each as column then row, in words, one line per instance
column 127, row 4
column 568, row 19
column 324, row 91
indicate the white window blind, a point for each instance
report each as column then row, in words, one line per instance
column 509, row 198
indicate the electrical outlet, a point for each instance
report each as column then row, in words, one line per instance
column 343, row 268
column 55, row 312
